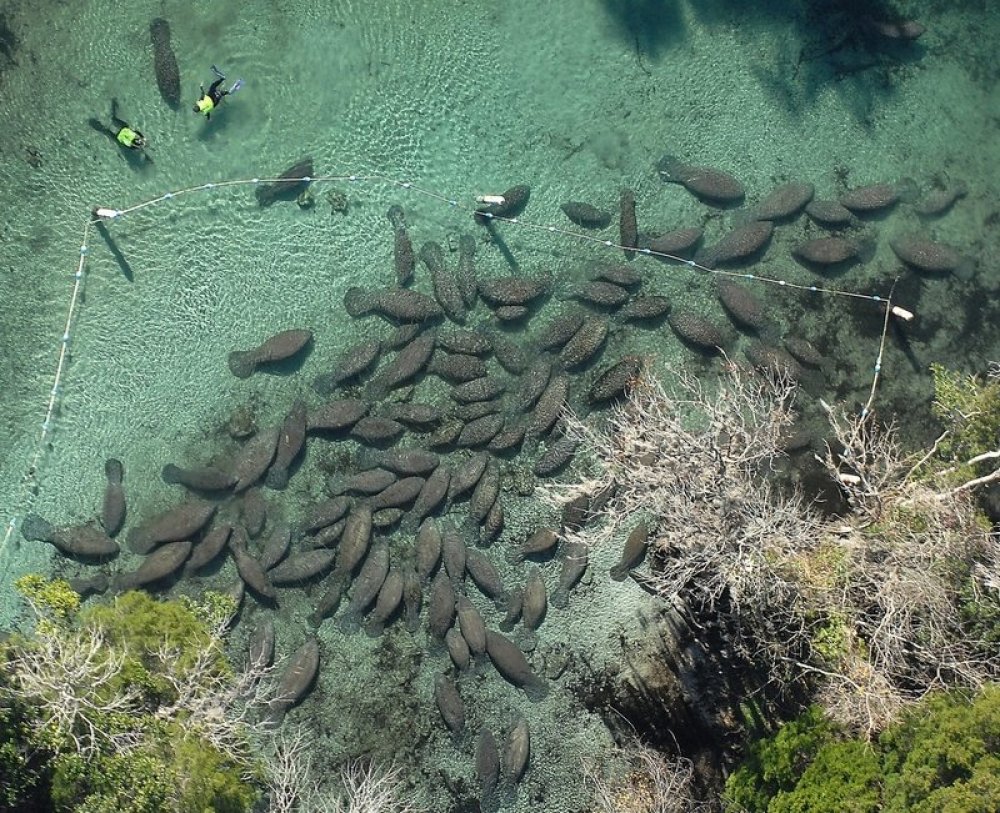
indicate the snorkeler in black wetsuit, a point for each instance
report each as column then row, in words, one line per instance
column 119, row 131
column 209, row 101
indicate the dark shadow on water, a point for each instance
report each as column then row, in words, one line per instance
column 649, row 26
column 109, row 241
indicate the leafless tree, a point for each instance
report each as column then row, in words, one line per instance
column 652, row 783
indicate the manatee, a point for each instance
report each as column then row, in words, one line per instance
column 374, row 430
column 390, row 595
column 586, row 214
column 456, row 367
column 367, row 585
column 784, row 202
column 557, row 454
column 198, row 478
column 676, row 243
column 534, row 601
column 291, row 440
column 78, row 541
column 330, row 600
column 486, row 576
column 575, row 558
column 514, row 290
column 413, row 597
column 209, row 547
column 471, row 625
column 250, row 570
column 260, row 652
column 364, row 483
column 549, row 407
column 446, row 290
column 432, row 495
column 466, row 274
column 928, row 256
column 253, row 512
column 407, row 364
column 773, row 360
column 90, row 585
column 512, row 203
column 602, row 294
column 449, row 703
column 400, row 494
column 336, row 415
column 513, row 666
column 834, row 251
column 161, row 563
column 427, row 549
column 738, row 245
column 289, row 184
column 644, row 308
column 113, row 505
column 586, row 343
column 616, row 380
column 179, row 522
column 560, row 330
column 168, row 75
column 710, row 185
column 458, row 649
column 743, row 307
column 487, row 769
column 254, row 458
column 324, row 514
column 539, row 543
column 829, row 213
column 878, row 196
column 301, row 567
column 355, row 540
column 485, row 493
column 279, row 347
column 403, row 257
column 803, row 352
column 632, row 553
column 400, row 304
column 296, row 681
column 628, row 231
column 516, row 751
column 696, row 331
column 276, row 548
column 440, row 606
column 938, row 201
column 415, row 416
column 350, row 364
column 533, row 382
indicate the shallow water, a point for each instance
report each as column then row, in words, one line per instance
column 577, row 98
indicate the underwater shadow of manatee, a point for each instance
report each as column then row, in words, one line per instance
column 650, row 25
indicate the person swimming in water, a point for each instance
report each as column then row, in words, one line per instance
column 119, row 131
column 209, row 101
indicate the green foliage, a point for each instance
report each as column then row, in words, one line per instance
column 52, row 599
column 970, row 410
column 142, row 627
column 942, row 757
column 169, row 767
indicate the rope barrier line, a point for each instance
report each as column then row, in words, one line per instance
column 28, row 486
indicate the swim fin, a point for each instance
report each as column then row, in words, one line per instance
column 236, row 86
column 217, row 72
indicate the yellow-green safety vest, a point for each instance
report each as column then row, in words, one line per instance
column 205, row 104
column 127, row 136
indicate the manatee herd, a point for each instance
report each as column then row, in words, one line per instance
column 434, row 424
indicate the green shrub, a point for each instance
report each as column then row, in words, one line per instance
column 942, row 757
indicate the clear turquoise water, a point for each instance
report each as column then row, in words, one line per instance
column 577, row 98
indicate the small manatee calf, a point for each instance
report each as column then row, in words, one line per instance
column 784, row 202
column 487, row 770
column 279, row 347
column 632, row 553
column 516, row 751
column 404, row 258
column 440, row 606
column 198, row 478
column 709, row 185
column 878, row 196
column 739, row 245
column 628, row 229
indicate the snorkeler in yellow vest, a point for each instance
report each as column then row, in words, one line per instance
column 211, row 100
column 120, row 131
